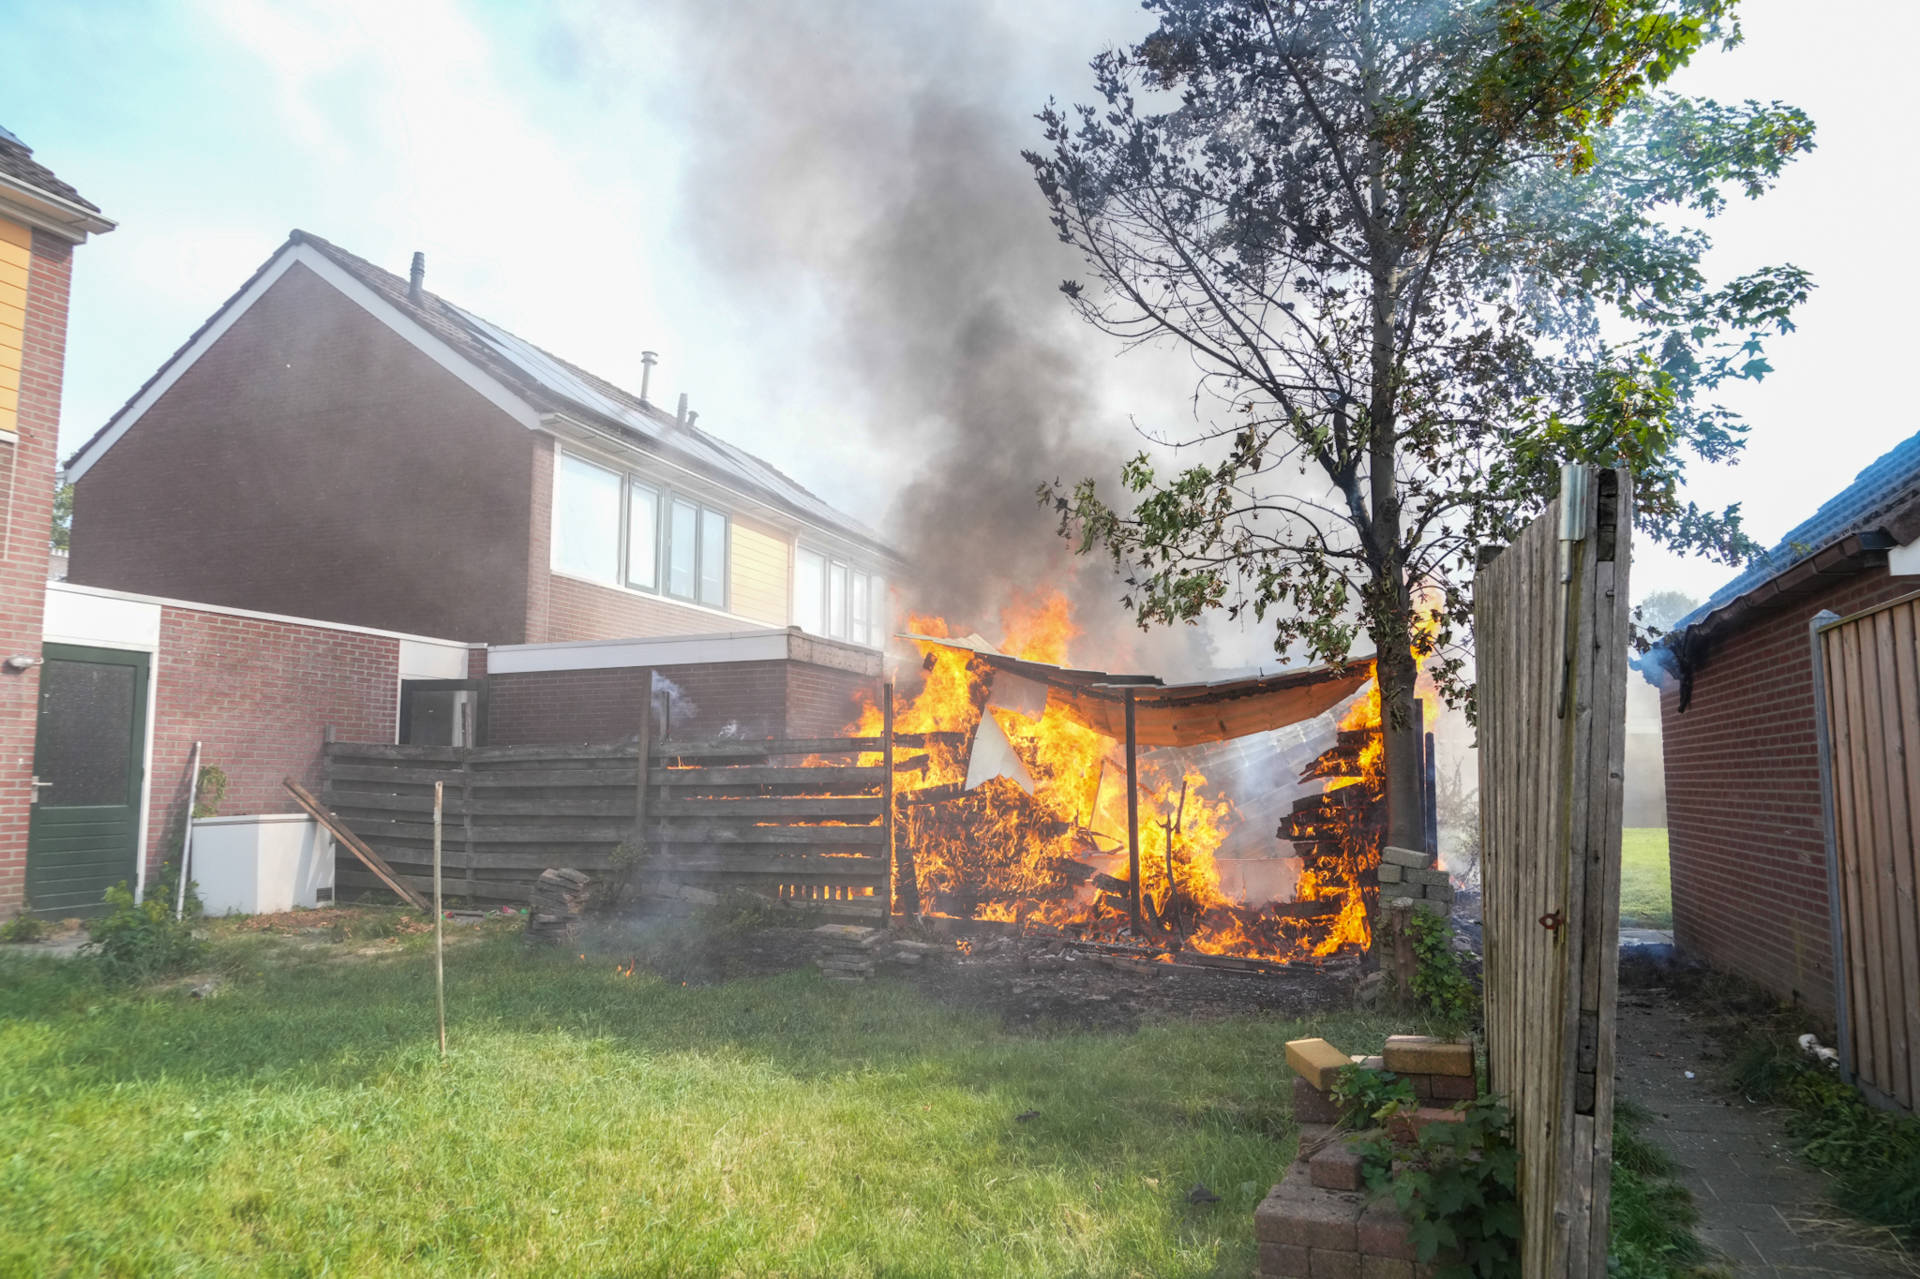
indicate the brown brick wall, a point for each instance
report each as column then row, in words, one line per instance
column 822, row 701
column 1743, row 801
column 748, row 699
column 314, row 463
column 27, row 472
column 580, row 610
column 259, row 696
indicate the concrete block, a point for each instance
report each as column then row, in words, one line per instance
column 1325, row 1263
column 1283, row 1261
column 1375, row 1062
column 1425, row 1055
column 1384, row 1268
column 1299, row 1213
column 1391, row 874
column 1435, row 907
column 1391, row 856
column 1383, row 1232
column 1316, row 1061
column 1406, row 1128
column 1335, row 1167
column 1454, row 1088
column 1420, row 875
column 1311, row 1106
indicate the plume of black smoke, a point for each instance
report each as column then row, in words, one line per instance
column 864, row 160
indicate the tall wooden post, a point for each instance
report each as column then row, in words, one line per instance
column 439, row 927
column 1133, row 824
column 886, row 800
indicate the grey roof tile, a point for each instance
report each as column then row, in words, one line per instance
column 17, row 162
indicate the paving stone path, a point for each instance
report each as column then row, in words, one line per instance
column 1768, row 1213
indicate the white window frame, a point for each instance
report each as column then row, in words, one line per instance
column 664, row 497
column 874, row 633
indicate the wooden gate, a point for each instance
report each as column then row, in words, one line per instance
column 798, row 821
column 1867, row 708
column 1550, row 643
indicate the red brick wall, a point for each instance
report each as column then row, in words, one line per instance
column 580, row 610
column 259, row 695
column 823, row 701
column 27, row 472
column 314, row 463
column 1743, row 801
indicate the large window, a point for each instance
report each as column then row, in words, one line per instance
column 614, row 528
column 810, row 591
column 643, row 536
column 586, row 520
column 836, row 599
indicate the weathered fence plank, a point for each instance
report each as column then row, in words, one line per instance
column 807, row 832
column 1551, row 640
column 1867, row 706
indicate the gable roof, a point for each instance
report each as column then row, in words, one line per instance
column 543, row 382
column 1881, row 500
column 42, row 197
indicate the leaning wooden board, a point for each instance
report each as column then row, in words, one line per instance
column 1551, row 699
column 352, row 843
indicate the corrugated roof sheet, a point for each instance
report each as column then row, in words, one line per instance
column 1890, row 481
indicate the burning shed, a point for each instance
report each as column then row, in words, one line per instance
column 1077, row 800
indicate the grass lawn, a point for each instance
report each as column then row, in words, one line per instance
column 300, row 1123
column 1646, row 891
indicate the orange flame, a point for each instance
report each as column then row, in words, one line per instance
column 1057, row 857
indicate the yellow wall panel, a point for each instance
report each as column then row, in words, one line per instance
column 759, row 574
column 16, row 257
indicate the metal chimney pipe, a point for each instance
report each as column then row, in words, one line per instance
column 417, row 278
column 647, row 360
column 693, row 415
column 681, row 413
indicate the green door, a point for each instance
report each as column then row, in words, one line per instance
column 88, row 762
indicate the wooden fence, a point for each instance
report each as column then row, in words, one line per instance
column 796, row 821
column 1867, row 706
column 1551, row 642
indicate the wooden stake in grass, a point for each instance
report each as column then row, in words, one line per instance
column 439, row 927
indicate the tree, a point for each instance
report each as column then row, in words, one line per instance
column 62, row 517
column 1422, row 253
column 1661, row 609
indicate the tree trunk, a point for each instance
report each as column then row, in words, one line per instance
column 1401, row 730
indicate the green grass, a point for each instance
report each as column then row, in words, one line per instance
column 300, row 1123
column 1653, row 1214
column 1646, row 888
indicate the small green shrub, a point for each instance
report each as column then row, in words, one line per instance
column 1440, row 984
column 24, row 928
column 140, row 940
column 1368, row 1098
column 1455, row 1185
column 1873, row 1154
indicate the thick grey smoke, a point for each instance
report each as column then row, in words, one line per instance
column 861, row 163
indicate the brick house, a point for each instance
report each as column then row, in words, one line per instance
column 336, row 442
column 41, row 220
column 1743, row 795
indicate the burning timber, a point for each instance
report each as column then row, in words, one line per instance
column 1031, row 809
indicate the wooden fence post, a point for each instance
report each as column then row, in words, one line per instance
column 1133, row 824
column 886, row 796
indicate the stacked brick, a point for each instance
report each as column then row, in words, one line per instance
column 1408, row 878
column 1319, row 1222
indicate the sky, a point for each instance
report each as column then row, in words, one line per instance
column 605, row 178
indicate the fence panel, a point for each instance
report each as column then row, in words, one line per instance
column 797, row 821
column 1867, row 705
column 1551, row 642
